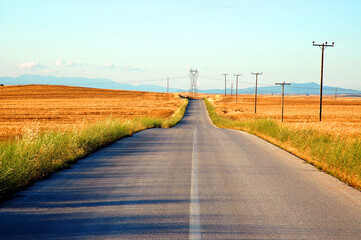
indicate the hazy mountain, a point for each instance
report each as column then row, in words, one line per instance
column 81, row 82
column 295, row 88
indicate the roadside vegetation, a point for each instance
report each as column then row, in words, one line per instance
column 47, row 107
column 336, row 154
column 39, row 152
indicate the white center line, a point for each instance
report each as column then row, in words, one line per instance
column 194, row 210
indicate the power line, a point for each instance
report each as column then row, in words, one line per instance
column 212, row 78
column 322, row 46
column 346, row 34
column 296, row 63
column 153, row 80
column 349, row 91
column 306, row 66
column 222, row 80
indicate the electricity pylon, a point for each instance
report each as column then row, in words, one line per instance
column 193, row 91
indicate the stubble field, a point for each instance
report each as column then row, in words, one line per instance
column 45, row 128
column 332, row 145
column 45, row 107
column 341, row 117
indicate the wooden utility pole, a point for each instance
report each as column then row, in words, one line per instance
column 322, row 46
column 167, row 85
column 283, row 93
column 237, row 85
column 255, row 92
column 225, row 83
column 231, row 89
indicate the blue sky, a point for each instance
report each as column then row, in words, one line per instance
column 147, row 41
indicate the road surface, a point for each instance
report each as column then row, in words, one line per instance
column 193, row 181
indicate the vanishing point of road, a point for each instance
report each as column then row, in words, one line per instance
column 192, row 181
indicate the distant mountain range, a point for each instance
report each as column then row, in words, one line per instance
column 81, row 82
column 295, row 88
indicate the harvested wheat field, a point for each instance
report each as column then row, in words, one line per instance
column 341, row 117
column 333, row 145
column 43, row 107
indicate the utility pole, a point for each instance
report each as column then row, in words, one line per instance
column 225, row 83
column 237, row 85
column 283, row 93
column 193, row 74
column 231, row 89
column 322, row 46
column 335, row 94
column 255, row 93
column 167, row 85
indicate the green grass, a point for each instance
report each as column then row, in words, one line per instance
column 36, row 156
column 338, row 156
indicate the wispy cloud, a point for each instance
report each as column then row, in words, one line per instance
column 50, row 71
column 132, row 69
column 75, row 64
column 30, row 66
column 109, row 66
column 70, row 63
column 59, row 63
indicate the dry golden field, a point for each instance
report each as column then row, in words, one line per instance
column 341, row 117
column 45, row 107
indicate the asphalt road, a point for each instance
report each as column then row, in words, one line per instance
column 189, row 182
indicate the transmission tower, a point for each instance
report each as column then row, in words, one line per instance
column 193, row 91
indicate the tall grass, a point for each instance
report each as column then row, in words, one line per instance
column 336, row 155
column 37, row 155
